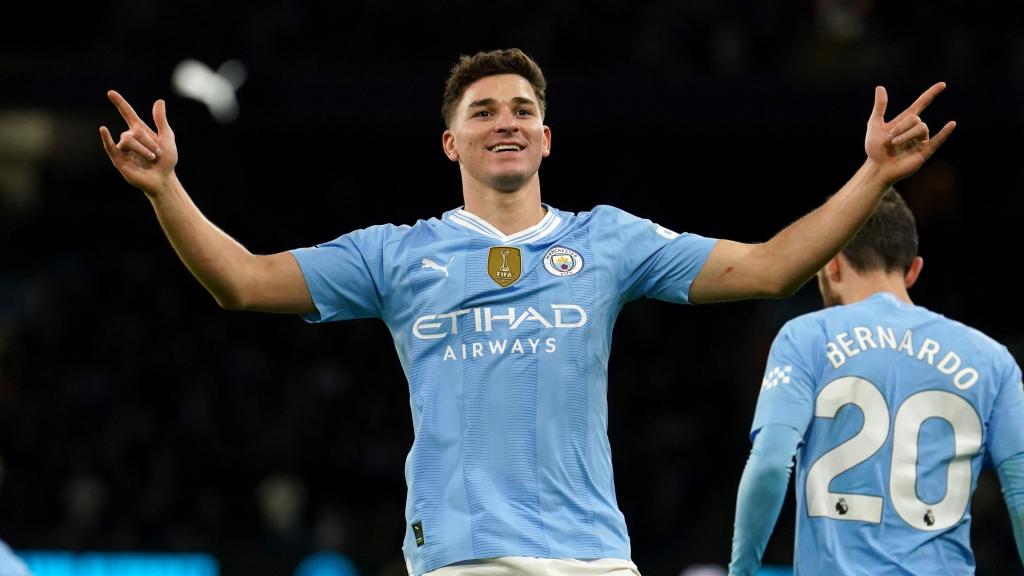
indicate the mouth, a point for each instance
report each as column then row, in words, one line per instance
column 505, row 147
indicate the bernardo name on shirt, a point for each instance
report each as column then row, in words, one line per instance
column 843, row 346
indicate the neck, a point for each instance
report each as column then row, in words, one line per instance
column 862, row 286
column 509, row 212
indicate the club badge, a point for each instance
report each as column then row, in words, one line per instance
column 562, row 261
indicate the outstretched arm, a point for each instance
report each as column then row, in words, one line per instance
column 235, row 277
column 760, row 496
column 777, row 268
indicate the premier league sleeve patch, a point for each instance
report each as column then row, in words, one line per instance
column 562, row 261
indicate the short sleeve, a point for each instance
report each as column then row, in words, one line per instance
column 651, row 260
column 1006, row 424
column 787, row 389
column 345, row 276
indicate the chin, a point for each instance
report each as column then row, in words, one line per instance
column 509, row 182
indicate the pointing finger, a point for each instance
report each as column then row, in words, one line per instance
column 127, row 112
column 926, row 98
column 122, row 105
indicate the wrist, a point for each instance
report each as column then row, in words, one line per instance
column 166, row 188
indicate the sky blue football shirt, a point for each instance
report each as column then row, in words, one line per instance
column 898, row 407
column 504, row 341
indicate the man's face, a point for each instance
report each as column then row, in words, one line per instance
column 497, row 133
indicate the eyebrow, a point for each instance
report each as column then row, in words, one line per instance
column 490, row 102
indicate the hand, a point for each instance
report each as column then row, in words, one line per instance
column 145, row 158
column 899, row 147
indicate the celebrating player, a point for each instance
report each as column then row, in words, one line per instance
column 502, row 313
column 890, row 409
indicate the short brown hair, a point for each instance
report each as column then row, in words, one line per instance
column 888, row 240
column 469, row 69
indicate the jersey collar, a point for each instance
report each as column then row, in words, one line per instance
column 534, row 233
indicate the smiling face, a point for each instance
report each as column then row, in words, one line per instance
column 497, row 133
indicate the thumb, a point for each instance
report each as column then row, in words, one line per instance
column 881, row 101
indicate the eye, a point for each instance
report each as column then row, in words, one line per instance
column 481, row 114
column 524, row 112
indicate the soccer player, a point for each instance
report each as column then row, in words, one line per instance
column 890, row 410
column 502, row 312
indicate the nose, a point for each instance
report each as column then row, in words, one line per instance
column 506, row 122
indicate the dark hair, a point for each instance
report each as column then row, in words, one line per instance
column 469, row 69
column 888, row 239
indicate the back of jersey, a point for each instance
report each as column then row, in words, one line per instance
column 899, row 407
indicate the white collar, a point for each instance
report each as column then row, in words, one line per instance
column 547, row 224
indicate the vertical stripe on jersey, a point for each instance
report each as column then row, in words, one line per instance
column 428, row 476
column 576, row 422
column 500, row 437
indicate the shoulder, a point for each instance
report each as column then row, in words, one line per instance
column 977, row 339
column 809, row 327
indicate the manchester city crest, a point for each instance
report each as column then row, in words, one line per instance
column 562, row 261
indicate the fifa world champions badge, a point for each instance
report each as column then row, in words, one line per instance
column 562, row 261
column 504, row 265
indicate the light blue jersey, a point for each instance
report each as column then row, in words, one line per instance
column 898, row 406
column 504, row 341
column 10, row 564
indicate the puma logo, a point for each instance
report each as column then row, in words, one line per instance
column 428, row 263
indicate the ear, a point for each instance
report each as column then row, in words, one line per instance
column 547, row 142
column 915, row 270
column 833, row 269
column 448, row 144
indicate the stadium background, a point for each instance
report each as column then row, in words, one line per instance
column 137, row 416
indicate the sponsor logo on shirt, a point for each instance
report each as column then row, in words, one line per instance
column 430, row 264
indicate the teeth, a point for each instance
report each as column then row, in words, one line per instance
column 505, row 148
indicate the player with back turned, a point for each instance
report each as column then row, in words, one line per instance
column 502, row 313
column 890, row 410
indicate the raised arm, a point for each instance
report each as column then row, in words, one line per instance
column 777, row 268
column 235, row 277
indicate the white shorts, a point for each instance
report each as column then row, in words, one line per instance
column 526, row 566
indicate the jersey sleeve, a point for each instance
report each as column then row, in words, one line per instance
column 1006, row 424
column 787, row 389
column 651, row 260
column 346, row 276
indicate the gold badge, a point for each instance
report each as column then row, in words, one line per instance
column 504, row 265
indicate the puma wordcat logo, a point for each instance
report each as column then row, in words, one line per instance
column 428, row 263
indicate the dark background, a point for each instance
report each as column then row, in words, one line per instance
column 137, row 415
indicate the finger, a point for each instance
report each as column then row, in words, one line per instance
column 122, row 105
column 108, row 142
column 147, row 140
column 160, row 117
column 128, row 143
column 881, row 101
column 939, row 138
column 925, row 99
column 902, row 125
column 128, row 113
column 917, row 132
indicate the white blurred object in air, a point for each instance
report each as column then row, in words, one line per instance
column 215, row 88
